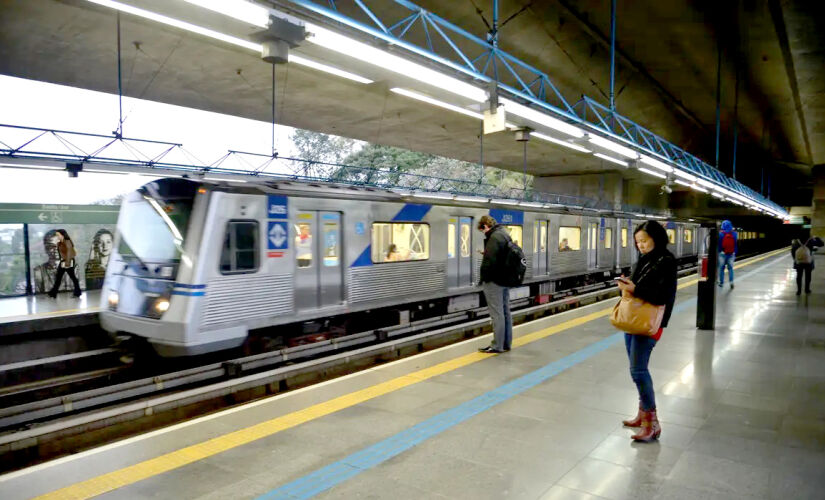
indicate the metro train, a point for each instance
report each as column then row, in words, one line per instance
column 198, row 265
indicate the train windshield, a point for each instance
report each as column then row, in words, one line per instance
column 153, row 225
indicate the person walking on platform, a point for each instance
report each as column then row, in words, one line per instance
column 653, row 280
column 803, row 262
column 67, row 263
column 498, row 296
column 728, row 248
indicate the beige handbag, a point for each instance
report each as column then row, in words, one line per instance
column 636, row 316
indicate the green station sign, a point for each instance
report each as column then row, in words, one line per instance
column 35, row 213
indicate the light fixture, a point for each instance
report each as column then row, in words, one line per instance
column 651, row 172
column 612, row 146
column 540, row 118
column 717, row 195
column 699, row 188
column 610, row 158
column 655, row 163
column 684, row 175
column 683, row 183
column 328, row 69
column 471, row 199
column 436, row 102
column 241, row 10
column 162, row 305
column 531, row 204
column 560, row 142
column 177, row 23
column 500, row 201
column 369, row 54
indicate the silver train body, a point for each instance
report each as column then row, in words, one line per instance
column 198, row 265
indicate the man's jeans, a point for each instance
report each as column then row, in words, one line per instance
column 498, row 302
column 725, row 260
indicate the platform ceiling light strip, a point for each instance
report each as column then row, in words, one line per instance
column 471, row 199
column 540, row 118
column 225, row 38
column 560, row 142
column 684, row 175
column 504, row 202
column 435, row 196
column 683, row 183
column 611, row 159
column 699, row 188
column 653, row 173
column 655, row 163
column 358, row 50
column 241, row 10
column 328, row 69
column 612, row 146
column 436, row 102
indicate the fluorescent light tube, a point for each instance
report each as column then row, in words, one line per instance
column 610, row 158
column 612, row 146
column 699, row 188
column 531, row 204
column 717, row 195
column 367, row 53
column 683, row 183
column 706, row 184
column 432, row 195
column 560, row 142
column 500, row 201
column 241, row 10
column 436, row 102
column 178, row 24
column 651, row 172
column 471, row 199
column 540, row 118
column 327, row 69
column 684, row 175
column 656, row 163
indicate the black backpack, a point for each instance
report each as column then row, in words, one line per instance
column 514, row 265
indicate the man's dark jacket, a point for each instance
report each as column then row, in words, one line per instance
column 495, row 244
column 657, row 284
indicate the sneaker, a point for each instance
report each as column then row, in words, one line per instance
column 490, row 350
column 731, row 286
column 799, row 292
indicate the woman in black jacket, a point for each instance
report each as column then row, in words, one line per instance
column 654, row 281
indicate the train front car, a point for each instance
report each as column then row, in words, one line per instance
column 148, row 289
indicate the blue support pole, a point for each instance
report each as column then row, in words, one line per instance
column 612, row 53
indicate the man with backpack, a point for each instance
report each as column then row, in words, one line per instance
column 803, row 262
column 728, row 247
column 502, row 266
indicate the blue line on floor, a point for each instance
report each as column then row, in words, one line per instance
column 349, row 467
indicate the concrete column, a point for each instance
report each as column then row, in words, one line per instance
column 818, row 208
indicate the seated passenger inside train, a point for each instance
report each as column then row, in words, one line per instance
column 392, row 254
column 564, row 246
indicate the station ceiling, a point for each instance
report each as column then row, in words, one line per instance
column 666, row 76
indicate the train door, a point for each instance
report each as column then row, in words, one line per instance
column 318, row 276
column 592, row 244
column 459, row 251
column 540, row 234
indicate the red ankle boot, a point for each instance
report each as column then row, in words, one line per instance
column 650, row 427
column 636, row 422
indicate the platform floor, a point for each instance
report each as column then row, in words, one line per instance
column 742, row 412
column 15, row 309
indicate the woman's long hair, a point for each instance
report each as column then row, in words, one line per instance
column 94, row 252
column 656, row 231
column 65, row 234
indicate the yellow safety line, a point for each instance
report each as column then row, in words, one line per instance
column 178, row 458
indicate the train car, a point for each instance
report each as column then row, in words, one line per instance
column 198, row 265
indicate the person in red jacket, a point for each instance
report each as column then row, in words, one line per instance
column 728, row 248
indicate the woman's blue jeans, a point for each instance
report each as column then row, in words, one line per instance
column 639, row 348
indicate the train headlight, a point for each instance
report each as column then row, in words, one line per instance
column 162, row 305
column 114, row 298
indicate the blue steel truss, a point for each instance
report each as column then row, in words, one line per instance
column 28, row 143
column 421, row 32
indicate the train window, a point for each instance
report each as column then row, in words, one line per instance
column 608, row 237
column 465, row 240
column 450, row 240
column 240, row 247
column 761, row 235
column 399, row 242
column 570, row 239
column 624, row 237
column 303, row 244
column 330, row 244
column 543, row 237
column 536, row 237
column 515, row 234
column 688, row 235
column 671, row 236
